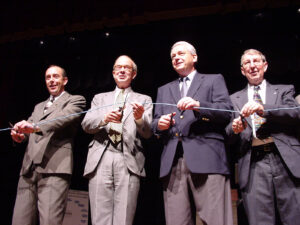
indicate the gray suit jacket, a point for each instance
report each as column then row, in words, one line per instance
column 201, row 133
column 132, row 132
column 51, row 149
column 281, row 125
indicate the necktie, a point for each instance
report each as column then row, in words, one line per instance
column 184, row 87
column 49, row 103
column 115, row 132
column 258, row 120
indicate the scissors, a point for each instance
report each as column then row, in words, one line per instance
column 243, row 120
column 12, row 127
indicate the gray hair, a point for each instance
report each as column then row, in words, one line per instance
column 187, row 45
column 253, row 51
column 134, row 66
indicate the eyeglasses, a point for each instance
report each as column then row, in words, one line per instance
column 126, row 68
column 255, row 62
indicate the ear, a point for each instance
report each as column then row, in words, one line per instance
column 195, row 58
column 265, row 66
column 133, row 74
column 242, row 71
column 65, row 80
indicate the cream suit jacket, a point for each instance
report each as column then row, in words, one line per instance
column 132, row 132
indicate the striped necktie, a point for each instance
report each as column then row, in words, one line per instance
column 258, row 120
column 49, row 103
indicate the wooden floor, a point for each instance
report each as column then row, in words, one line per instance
column 234, row 197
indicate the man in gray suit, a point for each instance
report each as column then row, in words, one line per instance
column 48, row 160
column 268, row 162
column 115, row 162
column 194, row 167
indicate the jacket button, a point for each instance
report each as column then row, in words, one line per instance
column 176, row 134
column 181, row 117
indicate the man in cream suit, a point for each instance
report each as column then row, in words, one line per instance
column 268, row 162
column 48, row 160
column 115, row 160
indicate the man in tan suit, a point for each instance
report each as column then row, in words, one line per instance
column 115, row 159
column 48, row 160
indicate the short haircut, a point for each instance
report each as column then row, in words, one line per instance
column 64, row 73
column 187, row 45
column 253, row 51
column 134, row 66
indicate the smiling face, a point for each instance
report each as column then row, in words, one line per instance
column 123, row 72
column 183, row 60
column 253, row 67
column 55, row 80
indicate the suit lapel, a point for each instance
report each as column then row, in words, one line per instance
column 128, row 108
column 195, row 85
column 54, row 106
column 271, row 94
column 175, row 91
column 242, row 99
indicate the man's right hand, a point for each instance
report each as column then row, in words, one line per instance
column 165, row 121
column 114, row 116
column 17, row 136
column 238, row 125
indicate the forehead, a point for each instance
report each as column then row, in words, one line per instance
column 179, row 48
column 250, row 56
column 123, row 61
column 54, row 70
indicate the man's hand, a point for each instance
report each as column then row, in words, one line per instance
column 166, row 121
column 187, row 103
column 17, row 137
column 252, row 107
column 138, row 110
column 114, row 116
column 25, row 127
column 238, row 125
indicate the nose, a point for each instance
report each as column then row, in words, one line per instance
column 252, row 64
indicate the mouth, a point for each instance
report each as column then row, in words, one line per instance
column 178, row 64
column 52, row 87
column 122, row 77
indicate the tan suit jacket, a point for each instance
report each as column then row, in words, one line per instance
column 132, row 132
column 51, row 149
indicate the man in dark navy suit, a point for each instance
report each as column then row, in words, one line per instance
column 194, row 168
column 269, row 154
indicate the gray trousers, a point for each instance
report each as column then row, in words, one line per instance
column 42, row 196
column 209, row 193
column 113, row 191
column 271, row 188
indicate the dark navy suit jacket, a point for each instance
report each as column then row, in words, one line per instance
column 201, row 133
column 281, row 125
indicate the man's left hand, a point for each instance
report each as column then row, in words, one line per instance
column 187, row 103
column 138, row 110
column 252, row 107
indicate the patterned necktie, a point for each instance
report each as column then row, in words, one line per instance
column 184, row 87
column 49, row 103
column 258, row 120
column 115, row 132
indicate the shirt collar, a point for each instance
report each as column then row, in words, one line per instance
column 262, row 85
column 190, row 76
column 56, row 97
column 127, row 90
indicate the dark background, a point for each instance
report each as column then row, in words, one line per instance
column 86, row 37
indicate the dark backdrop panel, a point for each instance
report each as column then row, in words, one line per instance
column 88, row 58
